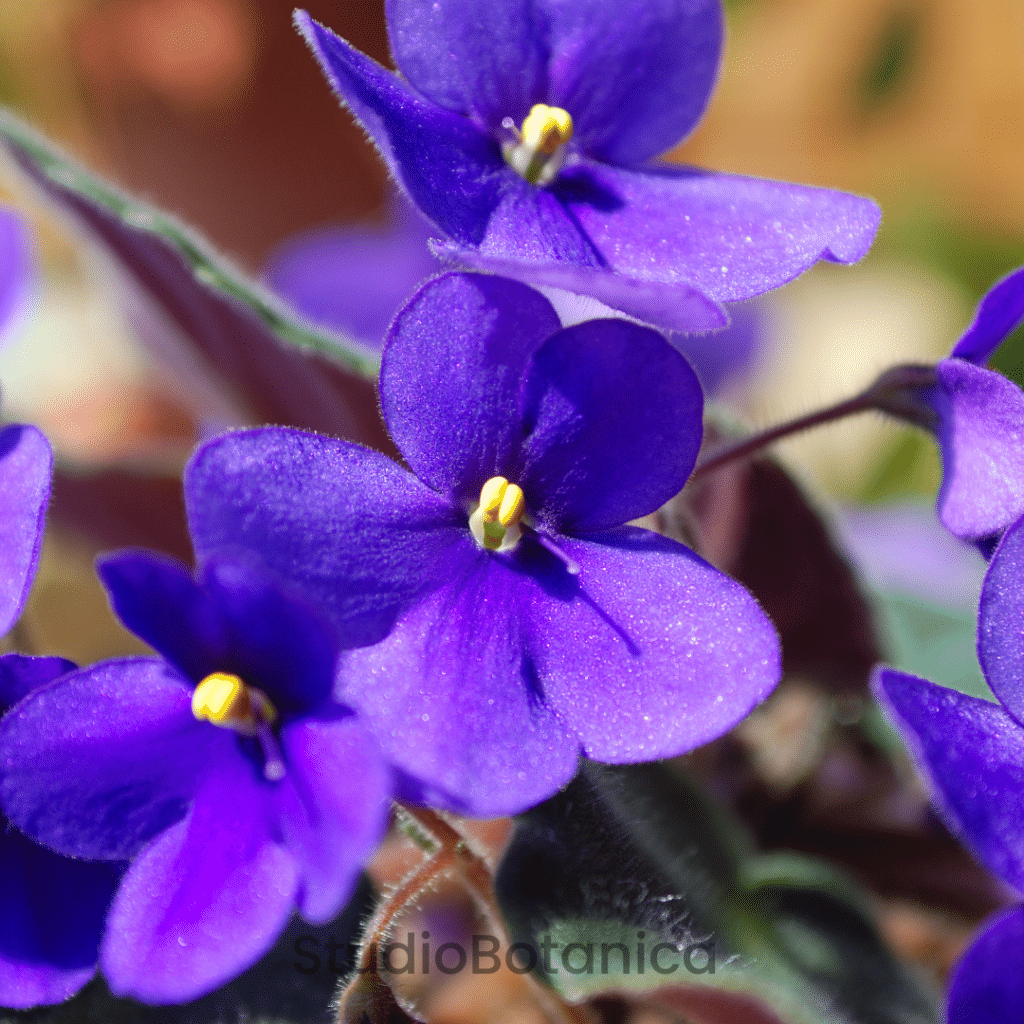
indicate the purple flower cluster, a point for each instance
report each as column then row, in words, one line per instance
column 460, row 629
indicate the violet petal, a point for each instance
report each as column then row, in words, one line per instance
column 453, row 693
column 597, row 453
column 998, row 314
column 51, row 919
column 988, row 980
column 972, row 753
column 981, row 436
column 658, row 653
column 26, row 464
column 451, row 377
column 102, row 760
column 20, row 674
column 205, row 899
column 333, row 807
column 354, row 532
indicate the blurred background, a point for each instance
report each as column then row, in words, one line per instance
column 214, row 111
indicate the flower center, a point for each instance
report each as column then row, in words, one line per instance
column 539, row 153
column 495, row 521
column 225, row 700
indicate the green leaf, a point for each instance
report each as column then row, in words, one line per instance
column 627, row 858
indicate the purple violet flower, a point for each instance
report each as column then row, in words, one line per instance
column 224, row 768
column 524, row 131
column 972, row 753
column 977, row 416
column 511, row 622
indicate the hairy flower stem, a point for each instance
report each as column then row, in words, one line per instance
column 892, row 393
column 450, row 848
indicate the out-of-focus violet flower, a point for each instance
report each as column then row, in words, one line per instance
column 511, row 621
column 972, row 753
column 224, row 768
column 524, row 132
column 53, row 907
column 977, row 416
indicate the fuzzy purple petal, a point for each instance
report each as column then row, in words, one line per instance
column 100, row 761
column 1001, row 622
column 672, row 306
column 450, row 168
column 333, row 808
column 614, row 420
column 657, row 653
column 333, row 277
column 26, row 464
column 160, row 602
column 998, row 314
column 453, row 694
column 981, row 437
column 15, row 267
column 205, row 899
column 452, row 374
column 273, row 642
column 20, row 674
column 988, row 981
column 349, row 529
column 722, row 358
column 635, row 76
column 727, row 236
column 972, row 752
column 51, row 918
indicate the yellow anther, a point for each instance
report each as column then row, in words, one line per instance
column 224, row 700
column 495, row 522
column 513, row 504
column 546, row 128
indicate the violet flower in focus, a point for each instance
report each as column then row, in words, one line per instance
column 523, row 131
column 511, row 622
column 224, row 768
column 972, row 752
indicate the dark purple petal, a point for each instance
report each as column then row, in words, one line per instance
column 634, row 76
column 160, row 602
column 333, row 807
column 450, row 169
column 452, row 374
column 51, row 918
column 728, row 237
column 195, row 320
column 354, row 533
column 657, row 653
column 614, row 420
column 672, row 306
column 486, row 61
column 21, row 674
column 333, row 276
column 453, row 694
column 1001, row 622
column 981, row 436
column 972, row 752
column 15, row 267
column 26, row 463
column 999, row 312
column 272, row 641
column 100, row 761
column 988, row 981
column 208, row 897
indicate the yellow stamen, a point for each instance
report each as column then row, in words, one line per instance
column 546, row 128
column 539, row 150
column 224, row 700
column 495, row 521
